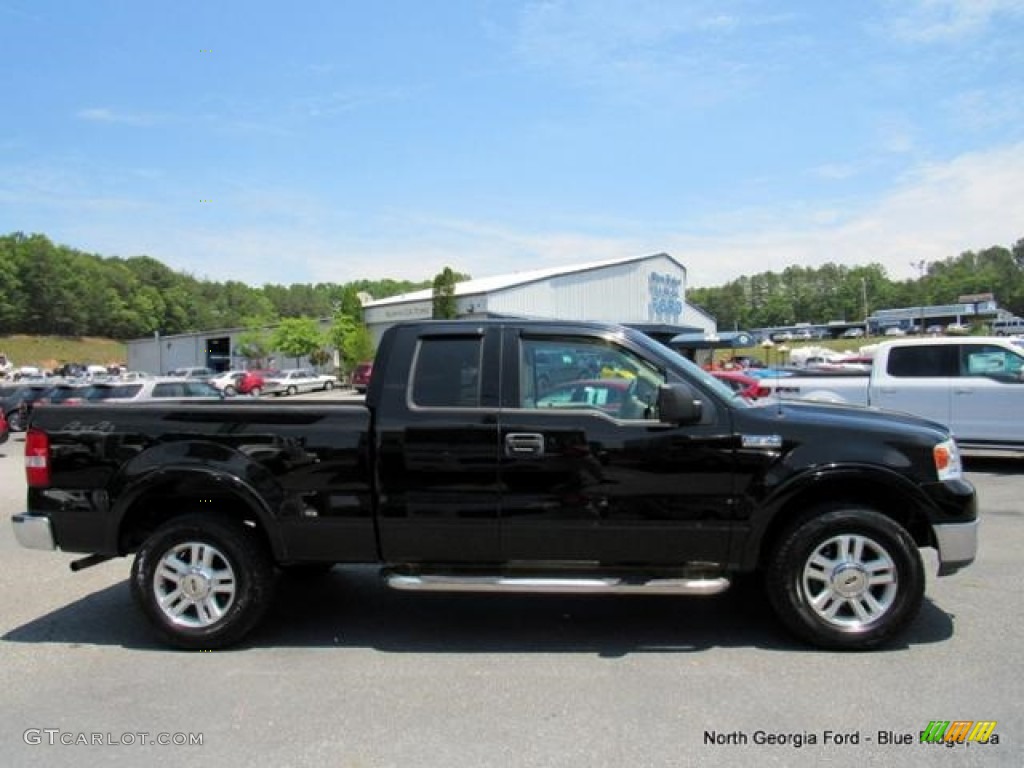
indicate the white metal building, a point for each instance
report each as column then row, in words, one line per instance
column 639, row 290
column 644, row 291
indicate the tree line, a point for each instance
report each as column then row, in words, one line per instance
column 47, row 288
column 839, row 292
column 50, row 289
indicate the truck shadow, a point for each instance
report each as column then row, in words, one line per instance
column 351, row 608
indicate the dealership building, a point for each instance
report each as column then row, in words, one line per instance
column 646, row 292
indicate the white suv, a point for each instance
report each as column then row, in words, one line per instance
column 163, row 388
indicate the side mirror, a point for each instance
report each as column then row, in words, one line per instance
column 677, row 404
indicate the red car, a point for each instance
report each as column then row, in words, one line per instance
column 747, row 386
column 239, row 382
column 361, row 376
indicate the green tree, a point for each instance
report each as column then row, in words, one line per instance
column 297, row 337
column 254, row 342
column 351, row 338
column 444, row 294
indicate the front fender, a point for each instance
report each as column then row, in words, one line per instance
column 870, row 484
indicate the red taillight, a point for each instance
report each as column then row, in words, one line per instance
column 761, row 391
column 37, row 458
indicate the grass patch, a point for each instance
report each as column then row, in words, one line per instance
column 48, row 352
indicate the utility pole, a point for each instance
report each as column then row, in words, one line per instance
column 864, row 296
column 921, row 265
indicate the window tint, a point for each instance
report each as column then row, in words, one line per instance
column 118, row 391
column 169, row 389
column 201, row 389
column 447, row 373
column 923, row 360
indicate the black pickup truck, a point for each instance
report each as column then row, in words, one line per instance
column 463, row 471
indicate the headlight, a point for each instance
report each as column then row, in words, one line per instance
column 947, row 460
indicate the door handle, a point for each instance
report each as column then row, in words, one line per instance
column 524, row 444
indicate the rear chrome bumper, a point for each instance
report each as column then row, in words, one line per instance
column 33, row 531
column 957, row 545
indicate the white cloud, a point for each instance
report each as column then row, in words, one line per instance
column 943, row 21
column 969, row 203
column 644, row 49
column 104, row 115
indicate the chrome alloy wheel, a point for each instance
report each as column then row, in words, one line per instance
column 850, row 581
column 194, row 584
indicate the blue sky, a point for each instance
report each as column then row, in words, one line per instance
column 330, row 141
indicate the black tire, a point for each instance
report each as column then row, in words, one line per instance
column 846, row 579
column 254, row 392
column 328, row 386
column 16, row 420
column 292, row 391
column 230, row 391
column 224, row 566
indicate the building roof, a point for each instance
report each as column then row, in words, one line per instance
column 514, row 279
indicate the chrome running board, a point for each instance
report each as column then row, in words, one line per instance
column 556, row 584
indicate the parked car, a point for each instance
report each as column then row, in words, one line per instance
column 192, row 373
column 328, row 381
column 65, row 393
column 361, row 375
column 958, row 329
column 292, row 381
column 557, row 366
column 608, row 395
column 239, row 383
column 162, row 388
column 895, row 331
column 17, row 404
column 853, row 333
column 745, row 385
column 973, row 385
column 5, row 432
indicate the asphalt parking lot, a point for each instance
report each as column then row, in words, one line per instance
column 347, row 673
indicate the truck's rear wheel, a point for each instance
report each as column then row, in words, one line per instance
column 203, row 582
column 846, row 579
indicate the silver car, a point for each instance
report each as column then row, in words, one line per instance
column 292, row 381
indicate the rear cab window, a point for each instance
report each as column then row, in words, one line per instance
column 446, row 373
column 923, row 361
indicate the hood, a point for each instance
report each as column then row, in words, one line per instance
column 791, row 419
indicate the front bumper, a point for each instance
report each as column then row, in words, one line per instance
column 957, row 544
column 33, row 531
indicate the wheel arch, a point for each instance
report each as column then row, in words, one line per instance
column 885, row 492
column 152, row 499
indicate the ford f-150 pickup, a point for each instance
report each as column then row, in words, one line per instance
column 975, row 385
column 461, row 472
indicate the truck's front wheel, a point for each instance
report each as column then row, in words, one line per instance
column 203, row 582
column 846, row 579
